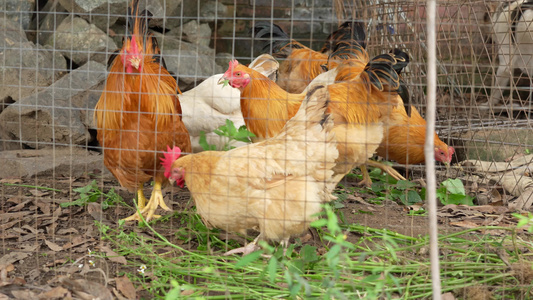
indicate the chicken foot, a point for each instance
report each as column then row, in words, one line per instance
column 251, row 247
column 148, row 210
column 367, row 181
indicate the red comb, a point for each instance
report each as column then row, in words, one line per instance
column 233, row 64
column 134, row 46
column 169, row 158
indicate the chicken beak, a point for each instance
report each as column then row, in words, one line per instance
column 223, row 80
column 135, row 62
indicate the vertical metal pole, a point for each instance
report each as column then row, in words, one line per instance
column 431, row 16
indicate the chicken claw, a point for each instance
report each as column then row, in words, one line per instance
column 385, row 168
column 367, row 181
column 251, row 247
column 148, row 211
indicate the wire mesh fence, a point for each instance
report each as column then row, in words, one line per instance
column 64, row 199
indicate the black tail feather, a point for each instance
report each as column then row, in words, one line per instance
column 381, row 73
column 274, row 39
column 349, row 30
column 402, row 60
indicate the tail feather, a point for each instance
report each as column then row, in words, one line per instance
column 345, row 50
column 381, row 73
column 402, row 60
column 349, row 30
column 277, row 41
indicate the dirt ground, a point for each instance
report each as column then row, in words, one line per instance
column 45, row 248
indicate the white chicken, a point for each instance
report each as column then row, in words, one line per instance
column 207, row 106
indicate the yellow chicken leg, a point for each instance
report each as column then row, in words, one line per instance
column 148, row 210
column 367, row 181
column 251, row 247
column 385, row 168
column 141, row 200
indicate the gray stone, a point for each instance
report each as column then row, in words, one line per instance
column 170, row 43
column 199, row 34
column 190, row 66
column 56, row 115
column 25, row 67
column 223, row 59
column 213, row 9
column 49, row 18
column 81, row 41
column 101, row 13
column 19, row 11
column 58, row 162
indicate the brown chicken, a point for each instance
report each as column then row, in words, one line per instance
column 300, row 64
column 276, row 186
column 405, row 136
column 360, row 108
column 139, row 114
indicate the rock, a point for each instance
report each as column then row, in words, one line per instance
column 190, row 66
column 19, row 11
column 25, row 66
column 59, row 161
column 169, row 43
column 50, row 16
column 81, row 41
column 211, row 10
column 495, row 145
column 223, row 59
column 60, row 114
column 163, row 11
column 101, row 13
column 199, row 34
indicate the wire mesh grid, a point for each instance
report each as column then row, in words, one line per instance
column 61, row 207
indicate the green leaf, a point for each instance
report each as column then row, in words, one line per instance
column 454, row 186
column 245, row 260
column 405, row 184
column 272, row 269
column 410, row 198
column 319, row 223
column 203, row 143
column 231, row 127
column 308, row 253
column 225, row 83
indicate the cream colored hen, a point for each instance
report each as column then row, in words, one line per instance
column 275, row 186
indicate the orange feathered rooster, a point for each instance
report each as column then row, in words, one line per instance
column 300, row 64
column 139, row 114
column 405, row 136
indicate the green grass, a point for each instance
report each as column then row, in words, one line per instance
column 382, row 263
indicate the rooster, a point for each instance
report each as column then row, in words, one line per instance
column 349, row 30
column 405, row 136
column 138, row 114
column 360, row 107
column 302, row 64
column 276, row 186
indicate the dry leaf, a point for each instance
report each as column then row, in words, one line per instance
column 53, row 246
column 113, row 256
column 24, row 294
column 524, row 201
column 13, row 257
column 87, row 289
column 447, row 296
column 39, row 193
column 3, row 297
column 55, row 293
column 465, row 224
column 125, row 286
column 11, row 180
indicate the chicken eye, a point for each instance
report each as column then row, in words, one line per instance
column 238, row 74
